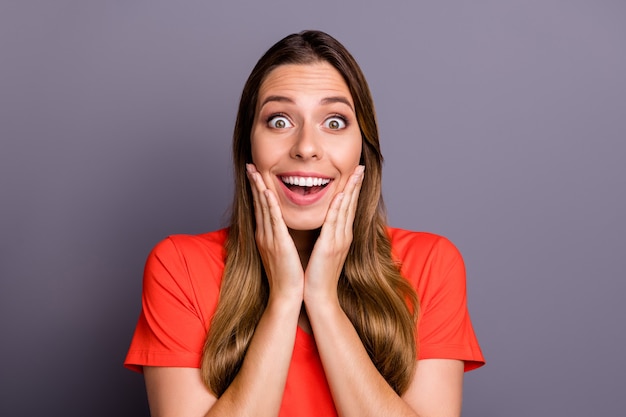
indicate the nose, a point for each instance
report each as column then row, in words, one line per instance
column 307, row 143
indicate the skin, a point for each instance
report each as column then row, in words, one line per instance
column 303, row 249
column 308, row 100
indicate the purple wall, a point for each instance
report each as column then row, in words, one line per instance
column 503, row 125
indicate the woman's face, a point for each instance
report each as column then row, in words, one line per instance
column 305, row 140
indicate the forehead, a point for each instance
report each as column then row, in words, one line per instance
column 291, row 80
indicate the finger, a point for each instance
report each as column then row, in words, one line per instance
column 256, row 197
column 354, row 196
column 279, row 228
column 348, row 206
column 265, row 219
column 329, row 228
column 264, row 227
column 334, row 211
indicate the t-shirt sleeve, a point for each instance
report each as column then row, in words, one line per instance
column 170, row 330
column 445, row 329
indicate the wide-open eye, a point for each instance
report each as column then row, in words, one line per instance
column 335, row 123
column 279, row 122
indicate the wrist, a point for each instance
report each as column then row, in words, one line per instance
column 284, row 303
column 322, row 303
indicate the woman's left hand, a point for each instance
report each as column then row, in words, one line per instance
column 332, row 246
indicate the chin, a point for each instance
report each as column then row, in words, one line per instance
column 303, row 224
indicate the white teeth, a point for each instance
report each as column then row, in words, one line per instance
column 305, row 181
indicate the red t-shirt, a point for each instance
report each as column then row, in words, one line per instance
column 181, row 288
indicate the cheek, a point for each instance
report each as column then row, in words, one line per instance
column 359, row 152
column 263, row 158
column 264, row 148
column 261, row 153
column 263, row 163
column 352, row 153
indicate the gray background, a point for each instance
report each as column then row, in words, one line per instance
column 502, row 123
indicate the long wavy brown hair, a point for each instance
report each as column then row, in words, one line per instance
column 380, row 303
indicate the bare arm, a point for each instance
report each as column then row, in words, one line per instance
column 258, row 387
column 256, row 390
column 357, row 387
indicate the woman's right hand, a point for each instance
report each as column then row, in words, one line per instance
column 260, row 383
column 276, row 247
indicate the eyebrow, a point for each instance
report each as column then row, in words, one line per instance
column 276, row 98
column 337, row 99
column 325, row 100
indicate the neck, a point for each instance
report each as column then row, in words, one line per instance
column 304, row 241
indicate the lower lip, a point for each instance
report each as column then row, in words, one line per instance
column 303, row 200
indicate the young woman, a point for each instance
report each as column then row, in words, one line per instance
column 308, row 304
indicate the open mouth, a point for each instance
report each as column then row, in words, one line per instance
column 305, row 185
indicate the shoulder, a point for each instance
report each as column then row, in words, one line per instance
column 189, row 256
column 411, row 246
column 430, row 262
column 211, row 243
column 435, row 268
column 192, row 247
column 181, row 283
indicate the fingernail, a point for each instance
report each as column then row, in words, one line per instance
column 360, row 169
column 249, row 168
